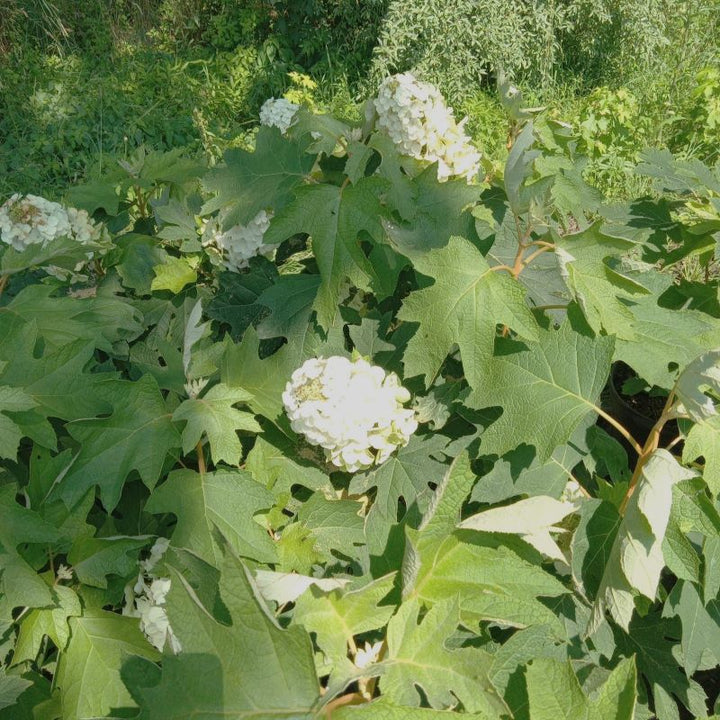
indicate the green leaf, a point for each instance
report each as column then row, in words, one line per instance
column 532, row 519
column 204, row 680
column 11, row 400
column 519, row 472
column 615, row 700
column 437, row 213
column 136, row 257
column 665, row 340
column 52, row 622
column 408, row 476
column 93, row 559
column 93, row 196
column 636, row 558
column 545, row 391
column 491, row 581
column 537, row 641
column 401, row 192
column 541, row 278
column 334, row 524
column 519, row 169
column 19, row 583
column 464, row 305
column 592, row 543
column 58, row 381
column 223, row 499
column 213, row 415
column 11, row 687
column 334, row 218
column 594, row 283
column 60, row 320
column 555, row 693
column 337, row 617
column 265, row 378
column 650, row 639
column 700, row 629
column 236, row 301
column 88, row 672
column 701, row 374
column 272, row 464
column 250, row 182
column 418, row 658
column 62, row 252
column 383, row 709
column 290, row 301
column 174, row 274
column 703, row 440
column 137, row 436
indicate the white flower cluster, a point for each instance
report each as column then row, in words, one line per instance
column 416, row 118
column 279, row 113
column 241, row 242
column 33, row 220
column 353, row 409
column 146, row 600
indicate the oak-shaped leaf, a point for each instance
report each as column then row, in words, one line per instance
column 104, row 319
column 384, row 709
column 701, row 374
column 636, row 559
column 653, row 640
column 434, row 211
column 249, row 182
column 247, row 668
column 665, row 340
column 418, row 657
column 88, row 671
column 213, row 415
column 137, row 436
column 12, row 400
column 336, row 617
column 224, row 499
column 704, row 440
column 19, row 582
column 493, row 580
column 336, row 219
column 545, row 391
column 532, row 519
column 464, row 305
column 596, row 285
column 404, row 480
column 554, row 692
column 700, row 639
column 52, row 622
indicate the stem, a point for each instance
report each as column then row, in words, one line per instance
column 533, row 255
column 201, row 458
column 621, row 429
column 495, row 268
column 3, row 282
column 651, row 445
column 349, row 699
column 674, row 442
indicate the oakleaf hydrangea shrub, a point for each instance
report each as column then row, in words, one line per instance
column 352, row 409
column 373, row 470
